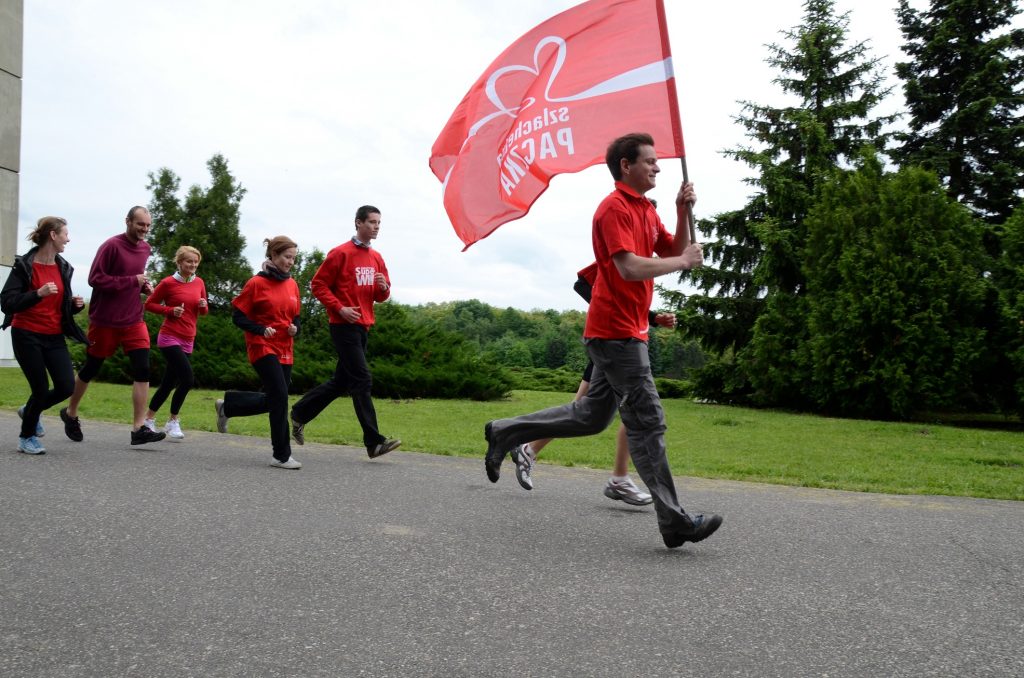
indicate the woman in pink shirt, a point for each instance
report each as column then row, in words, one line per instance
column 181, row 299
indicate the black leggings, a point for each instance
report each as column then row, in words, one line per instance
column 38, row 354
column 178, row 371
column 273, row 399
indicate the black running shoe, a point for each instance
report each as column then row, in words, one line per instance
column 143, row 435
column 382, row 448
column 494, row 456
column 72, row 426
column 299, row 433
column 703, row 527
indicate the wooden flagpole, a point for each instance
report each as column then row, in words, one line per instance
column 689, row 206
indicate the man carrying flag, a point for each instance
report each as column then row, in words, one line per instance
column 626, row 234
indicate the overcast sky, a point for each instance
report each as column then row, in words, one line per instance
column 324, row 105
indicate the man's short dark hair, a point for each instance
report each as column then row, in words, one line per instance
column 627, row 147
column 133, row 210
column 363, row 213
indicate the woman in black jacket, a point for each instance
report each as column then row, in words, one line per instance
column 38, row 307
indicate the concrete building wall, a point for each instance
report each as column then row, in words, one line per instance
column 12, row 13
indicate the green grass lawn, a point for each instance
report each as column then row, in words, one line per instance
column 708, row 441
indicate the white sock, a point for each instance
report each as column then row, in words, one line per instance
column 620, row 479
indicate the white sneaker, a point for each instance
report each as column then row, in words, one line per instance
column 150, row 424
column 291, row 464
column 173, row 429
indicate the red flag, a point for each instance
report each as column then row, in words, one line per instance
column 551, row 103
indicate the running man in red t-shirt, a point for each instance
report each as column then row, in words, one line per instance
column 627, row 234
column 351, row 280
column 620, row 487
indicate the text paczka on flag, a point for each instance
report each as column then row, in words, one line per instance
column 551, row 103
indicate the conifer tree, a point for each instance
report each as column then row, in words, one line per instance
column 895, row 290
column 755, row 252
column 1005, row 379
column 963, row 87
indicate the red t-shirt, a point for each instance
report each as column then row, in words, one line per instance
column 44, row 316
column 625, row 221
column 346, row 278
column 271, row 303
column 170, row 294
column 589, row 274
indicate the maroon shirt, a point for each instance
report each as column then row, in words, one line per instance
column 116, row 295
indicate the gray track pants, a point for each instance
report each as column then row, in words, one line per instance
column 622, row 378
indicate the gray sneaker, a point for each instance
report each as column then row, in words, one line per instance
column 627, row 491
column 222, row 420
column 291, row 464
column 298, row 433
column 523, row 457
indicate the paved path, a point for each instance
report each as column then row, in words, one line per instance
column 197, row 559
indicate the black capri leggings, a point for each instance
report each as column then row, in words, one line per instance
column 138, row 359
column 178, row 372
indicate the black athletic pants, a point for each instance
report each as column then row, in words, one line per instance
column 351, row 377
column 273, row 399
column 39, row 354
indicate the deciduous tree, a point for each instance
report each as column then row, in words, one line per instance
column 208, row 219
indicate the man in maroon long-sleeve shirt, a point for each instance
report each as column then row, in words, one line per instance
column 118, row 280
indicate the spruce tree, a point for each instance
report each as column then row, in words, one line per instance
column 755, row 252
column 963, row 87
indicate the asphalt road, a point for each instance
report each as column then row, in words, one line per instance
column 197, row 559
